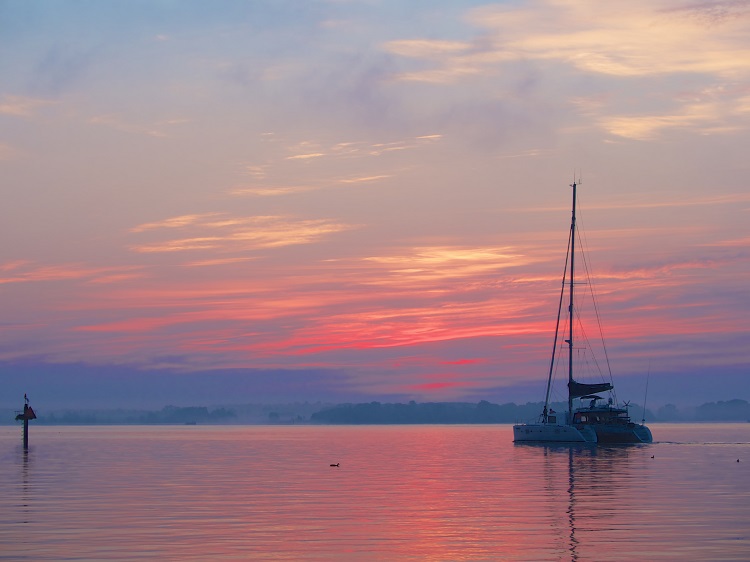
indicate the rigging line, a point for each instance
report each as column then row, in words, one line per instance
column 592, row 290
column 582, row 326
column 584, row 336
column 559, row 365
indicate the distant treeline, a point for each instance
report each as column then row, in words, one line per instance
column 736, row 410
column 486, row 412
column 426, row 412
column 167, row 415
column 251, row 414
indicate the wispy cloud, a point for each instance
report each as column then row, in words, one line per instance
column 426, row 48
column 638, row 41
column 703, row 118
column 271, row 190
column 428, row 264
column 218, row 261
column 338, row 155
column 226, row 233
column 27, row 271
column 634, row 40
column 180, row 245
column 305, row 156
column 743, row 242
column 365, row 179
column 21, row 106
column 453, row 58
column 13, row 265
column 159, row 129
column 279, row 190
column 174, row 222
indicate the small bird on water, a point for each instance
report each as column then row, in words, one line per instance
column 338, row 464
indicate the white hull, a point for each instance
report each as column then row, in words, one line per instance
column 552, row 433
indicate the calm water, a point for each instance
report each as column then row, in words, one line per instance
column 401, row 493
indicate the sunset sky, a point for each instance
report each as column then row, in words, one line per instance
column 369, row 200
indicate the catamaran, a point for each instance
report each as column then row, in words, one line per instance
column 598, row 420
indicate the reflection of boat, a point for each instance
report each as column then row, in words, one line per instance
column 600, row 421
column 591, row 480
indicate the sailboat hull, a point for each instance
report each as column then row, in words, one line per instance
column 603, row 434
column 552, row 433
column 617, row 434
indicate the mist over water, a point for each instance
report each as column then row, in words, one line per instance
column 399, row 493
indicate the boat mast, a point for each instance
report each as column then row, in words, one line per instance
column 570, row 306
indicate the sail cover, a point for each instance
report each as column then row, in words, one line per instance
column 578, row 389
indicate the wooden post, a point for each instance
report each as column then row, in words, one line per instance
column 28, row 414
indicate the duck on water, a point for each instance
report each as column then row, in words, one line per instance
column 598, row 421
